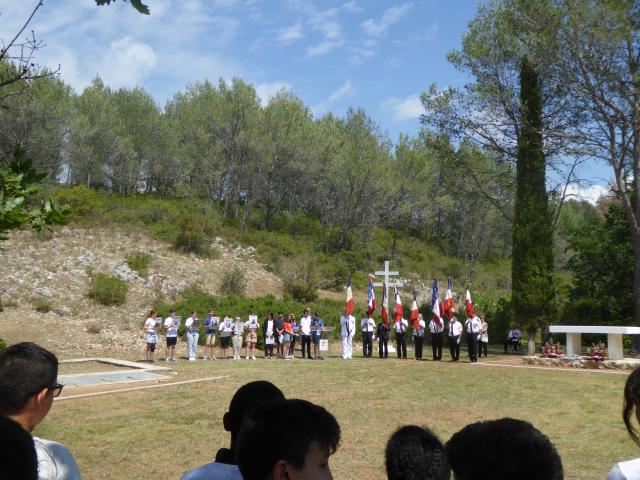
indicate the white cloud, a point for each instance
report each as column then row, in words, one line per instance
column 589, row 193
column 322, row 48
column 352, row 7
column 266, row 91
column 290, row 34
column 378, row 28
column 403, row 108
column 345, row 90
column 429, row 33
column 127, row 62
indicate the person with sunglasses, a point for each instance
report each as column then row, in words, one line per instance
column 28, row 385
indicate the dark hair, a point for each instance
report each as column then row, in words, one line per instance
column 631, row 401
column 18, row 460
column 25, row 369
column 503, row 449
column 294, row 425
column 415, row 453
column 245, row 398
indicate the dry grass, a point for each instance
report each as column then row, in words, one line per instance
column 161, row 433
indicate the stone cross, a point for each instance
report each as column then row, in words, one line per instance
column 386, row 273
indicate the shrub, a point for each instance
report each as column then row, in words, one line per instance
column 42, row 304
column 233, row 282
column 107, row 290
column 194, row 233
column 300, row 291
column 3, row 344
column 93, row 328
column 139, row 261
column 82, row 200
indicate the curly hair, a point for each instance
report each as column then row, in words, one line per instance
column 631, row 402
column 415, row 453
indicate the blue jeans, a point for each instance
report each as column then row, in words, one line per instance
column 192, row 342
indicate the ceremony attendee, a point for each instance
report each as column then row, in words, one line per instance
column 400, row 328
column 192, row 326
column 455, row 333
column 305, row 332
column 503, row 449
column 483, row 343
column 630, row 469
column 294, row 334
column 18, row 459
column 472, row 326
column 171, row 325
column 280, row 334
column 382, row 332
column 368, row 326
column 28, row 385
column 268, row 334
column 151, row 338
column 225, row 467
column 415, row 453
column 436, row 328
column 301, row 445
column 418, row 337
column 226, row 330
column 211, row 324
column 252, row 326
column 316, row 328
column 513, row 339
column 348, row 329
column 287, row 332
column 237, row 338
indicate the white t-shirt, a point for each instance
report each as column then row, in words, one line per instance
column 455, row 328
column 150, row 325
column 629, row 470
column 305, row 325
column 170, row 325
column 55, row 461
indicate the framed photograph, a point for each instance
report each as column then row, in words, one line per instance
column 177, row 321
column 324, row 345
column 253, row 318
column 215, row 320
column 158, row 322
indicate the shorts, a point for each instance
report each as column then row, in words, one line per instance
column 210, row 339
column 252, row 337
column 315, row 339
column 224, row 342
column 151, row 338
column 172, row 341
column 210, row 331
column 151, row 346
column 286, row 338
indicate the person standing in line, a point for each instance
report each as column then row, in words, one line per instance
column 455, row 333
column 287, row 332
column 368, row 326
column 226, row 329
column 305, row 331
column 210, row 329
column 295, row 331
column 436, row 328
column 472, row 325
column 171, row 324
column 252, row 326
column 238, row 336
column 150, row 336
column 192, row 326
column 279, row 325
column 268, row 333
column 418, row 337
column 382, row 332
column 484, row 337
column 316, row 327
column 400, row 328
column 348, row 328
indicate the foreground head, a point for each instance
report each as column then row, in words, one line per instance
column 631, row 402
column 415, row 453
column 287, row 439
column 503, row 449
column 17, row 453
column 28, row 375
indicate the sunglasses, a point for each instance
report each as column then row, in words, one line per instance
column 56, row 390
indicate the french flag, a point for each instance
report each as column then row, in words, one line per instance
column 449, row 304
column 436, row 308
column 469, row 304
column 385, row 305
column 414, row 312
column 371, row 305
column 397, row 313
column 349, row 306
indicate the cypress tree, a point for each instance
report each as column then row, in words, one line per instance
column 532, row 256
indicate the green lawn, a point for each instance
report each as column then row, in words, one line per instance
column 160, row 433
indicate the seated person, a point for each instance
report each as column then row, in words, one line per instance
column 287, row 439
column 503, row 449
column 513, row 339
column 415, row 453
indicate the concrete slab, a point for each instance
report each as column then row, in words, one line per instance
column 108, row 378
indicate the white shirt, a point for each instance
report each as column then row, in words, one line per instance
column 629, row 470
column 420, row 330
column 55, row 461
column 473, row 325
column 455, row 328
column 150, row 325
column 435, row 328
column 484, row 330
column 170, row 325
column 368, row 325
column 401, row 326
column 348, row 325
column 305, row 325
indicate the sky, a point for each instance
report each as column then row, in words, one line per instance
column 378, row 55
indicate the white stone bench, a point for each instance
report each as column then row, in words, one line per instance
column 614, row 337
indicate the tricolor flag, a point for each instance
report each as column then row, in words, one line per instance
column 349, row 306
column 385, row 305
column 469, row 304
column 397, row 313
column 449, row 305
column 371, row 305
column 415, row 314
column 435, row 302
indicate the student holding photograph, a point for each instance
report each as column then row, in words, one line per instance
column 150, row 335
column 226, row 328
column 252, row 337
column 171, row 324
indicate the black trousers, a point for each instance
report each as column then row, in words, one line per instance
column 436, row 346
column 472, row 346
column 401, row 344
column 306, row 340
column 383, row 347
column 417, row 343
column 454, row 348
column 268, row 350
column 482, row 345
column 292, row 345
column 367, row 343
column 514, row 344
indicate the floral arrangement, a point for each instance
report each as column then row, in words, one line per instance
column 552, row 350
column 598, row 352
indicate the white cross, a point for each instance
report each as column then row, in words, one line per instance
column 387, row 274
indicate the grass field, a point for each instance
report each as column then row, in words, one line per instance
column 160, row 433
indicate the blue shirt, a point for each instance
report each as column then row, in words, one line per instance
column 317, row 324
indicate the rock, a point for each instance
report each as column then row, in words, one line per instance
column 43, row 292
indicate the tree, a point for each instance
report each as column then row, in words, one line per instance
column 532, row 256
column 137, row 4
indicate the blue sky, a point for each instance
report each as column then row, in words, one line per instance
column 379, row 55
